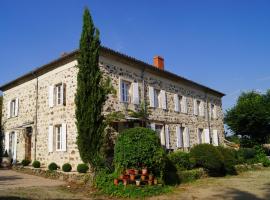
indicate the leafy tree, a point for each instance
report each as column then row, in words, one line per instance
column 250, row 117
column 92, row 92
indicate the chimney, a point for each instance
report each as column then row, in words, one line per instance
column 159, row 62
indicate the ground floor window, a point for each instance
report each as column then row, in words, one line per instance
column 58, row 134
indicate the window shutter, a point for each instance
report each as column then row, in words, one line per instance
column 215, row 112
column 195, row 107
column 202, row 108
column 184, row 104
column 151, row 96
column 51, row 91
column 7, row 142
column 15, row 148
column 64, row 137
column 176, row 103
column 163, row 99
column 50, row 139
column 206, row 136
column 162, row 136
column 8, row 109
column 186, row 137
column 179, row 142
column 153, row 126
column 16, row 107
column 135, row 90
column 167, row 135
column 215, row 138
column 120, row 89
column 63, row 94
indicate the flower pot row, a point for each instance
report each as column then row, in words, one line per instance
column 138, row 182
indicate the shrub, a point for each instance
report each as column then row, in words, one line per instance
column 246, row 155
column 261, row 155
column 229, row 160
column 82, row 168
column 25, row 162
column 208, row 157
column 52, row 166
column 180, row 159
column 186, row 176
column 36, row 164
column 66, row 167
column 139, row 146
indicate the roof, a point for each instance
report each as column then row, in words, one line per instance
column 104, row 51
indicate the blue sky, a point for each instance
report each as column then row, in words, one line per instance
column 223, row 44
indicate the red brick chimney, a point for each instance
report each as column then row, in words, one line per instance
column 159, row 62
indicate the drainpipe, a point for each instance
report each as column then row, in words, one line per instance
column 143, row 90
column 36, row 115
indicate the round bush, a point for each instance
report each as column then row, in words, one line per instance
column 26, row 162
column 36, row 164
column 52, row 166
column 139, row 146
column 66, row 167
column 82, row 168
column 247, row 153
column 229, row 159
column 208, row 157
column 180, row 159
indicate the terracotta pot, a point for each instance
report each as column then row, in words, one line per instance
column 142, row 177
column 131, row 171
column 136, row 172
column 132, row 177
column 6, row 162
column 121, row 176
column 155, row 181
column 115, row 181
column 138, row 182
column 144, row 171
column 151, row 177
column 125, row 182
column 150, row 182
column 126, row 177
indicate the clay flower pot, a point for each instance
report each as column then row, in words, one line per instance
column 144, row 171
column 131, row 171
column 142, row 177
column 115, row 181
column 132, row 177
column 155, row 181
column 125, row 182
column 121, row 176
column 151, row 177
column 136, row 172
column 150, row 182
column 138, row 182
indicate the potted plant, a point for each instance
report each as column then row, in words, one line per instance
column 151, row 177
column 121, row 176
column 150, row 182
column 132, row 177
column 143, row 177
column 138, row 182
column 144, row 171
column 155, row 181
column 115, row 181
column 125, row 182
column 136, row 171
column 6, row 161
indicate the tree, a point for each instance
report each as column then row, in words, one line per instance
column 1, row 131
column 92, row 92
column 250, row 117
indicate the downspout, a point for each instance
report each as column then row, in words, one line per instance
column 143, row 91
column 36, row 116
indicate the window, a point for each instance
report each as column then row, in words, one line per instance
column 58, row 134
column 125, row 91
column 157, row 99
column 12, row 108
column 200, row 135
column 213, row 111
column 57, row 94
column 198, row 103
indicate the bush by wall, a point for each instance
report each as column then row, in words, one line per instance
column 207, row 156
column 25, row 162
column 229, row 160
column 139, row 146
column 36, row 164
column 66, row 167
column 186, row 176
column 82, row 168
column 181, row 160
column 52, row 166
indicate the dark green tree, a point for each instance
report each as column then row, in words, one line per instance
column 92, row 92
column 250, row 117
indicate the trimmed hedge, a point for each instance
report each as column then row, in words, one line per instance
column 26, row 162
column 52, row 166
column 36, row 164
column 66, row 167
column 208, row 157
column 139, row 146
column 82, row 168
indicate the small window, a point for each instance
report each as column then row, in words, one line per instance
column 157, row 98
column 200, row 135
column 13, row 108
column 58, row 134
column 125, row 91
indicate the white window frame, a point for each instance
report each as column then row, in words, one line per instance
column 58, row 89
column 12, row 108
column 58, row 137
column 125, row 91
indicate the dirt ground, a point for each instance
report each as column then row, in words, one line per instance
column 252, row 185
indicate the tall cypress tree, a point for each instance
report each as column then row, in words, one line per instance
column 92, row 92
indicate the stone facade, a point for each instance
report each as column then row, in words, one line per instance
column 40, row 117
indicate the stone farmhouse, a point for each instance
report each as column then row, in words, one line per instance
column 39, row 109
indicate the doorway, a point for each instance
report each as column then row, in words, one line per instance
column 28, row 142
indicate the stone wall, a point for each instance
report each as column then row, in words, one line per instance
column 113, row 68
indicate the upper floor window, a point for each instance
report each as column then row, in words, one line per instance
column 57, row 94
column 12, row 108
column 180, row 103
column 125, row 91
column 198, row 107
column 213, row 113
column 157, row 98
